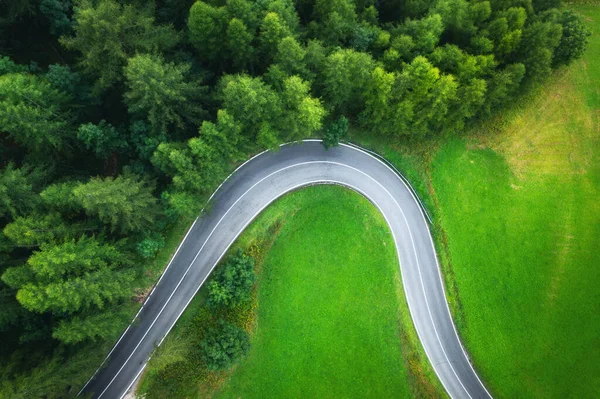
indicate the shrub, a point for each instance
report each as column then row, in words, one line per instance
column 232, row 281
column 224, row 345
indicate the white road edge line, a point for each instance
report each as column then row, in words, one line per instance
column 254, row 216
column 356, row 148
column 364, row 151
column 164, row 271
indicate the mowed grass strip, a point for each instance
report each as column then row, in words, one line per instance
column 521, row 215
column 328, row 310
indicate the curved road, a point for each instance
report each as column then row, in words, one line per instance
column 239, row 200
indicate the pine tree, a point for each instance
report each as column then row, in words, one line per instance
column 32, row 112
column 125, row 203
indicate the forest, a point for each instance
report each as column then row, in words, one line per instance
column 118, row 118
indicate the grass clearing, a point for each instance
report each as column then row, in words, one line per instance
column 331, row 319
column 519, row 207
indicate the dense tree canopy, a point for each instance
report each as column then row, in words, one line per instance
column 118, row 119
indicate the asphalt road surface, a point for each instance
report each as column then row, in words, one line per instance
column 239, row 200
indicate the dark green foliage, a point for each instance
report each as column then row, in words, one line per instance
column 102, row 139
column 65, row 80
column 13, row 11
column 93, row 327
column 231, row 283
column 17, row 195
column 206, row 26
column 107, row 33
column 224, row 345
column 160, row 92
column 538, row 44
column 57, row 12
column 335, row 131
column 8, row 66
column 573, row 41
column 144, row 140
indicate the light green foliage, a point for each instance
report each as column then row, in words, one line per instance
column 59, row 196
column 378, row 101
column 199, row 165
column 107, row 33
column 506, row 31
column 124, row 203
column 266, row 116
column 17, row 195
column 17, row 276
column 343, row 76
column 231, row 284
column 224, row 346
column 36, row 229
column 425, row 33
column 251, row 103
column 414, row 102
column 238, row 43
column 285, row 9
column 206, row 27
column 160, row 91
column 302, row 114
column 72, row 258
column 102, row 139
column 291, row 56
column 427, row 96
column 335, row 131
column 32, row 112
column 76, row 275
column 272, row 30
column 98, row 289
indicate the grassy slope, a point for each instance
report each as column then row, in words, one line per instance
column 327, row 317
column 521, row 215
column 331, row 322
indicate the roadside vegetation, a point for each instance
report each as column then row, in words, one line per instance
column 329, row 315
column 118, row 118
column 516, row 218
column 520, row 210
